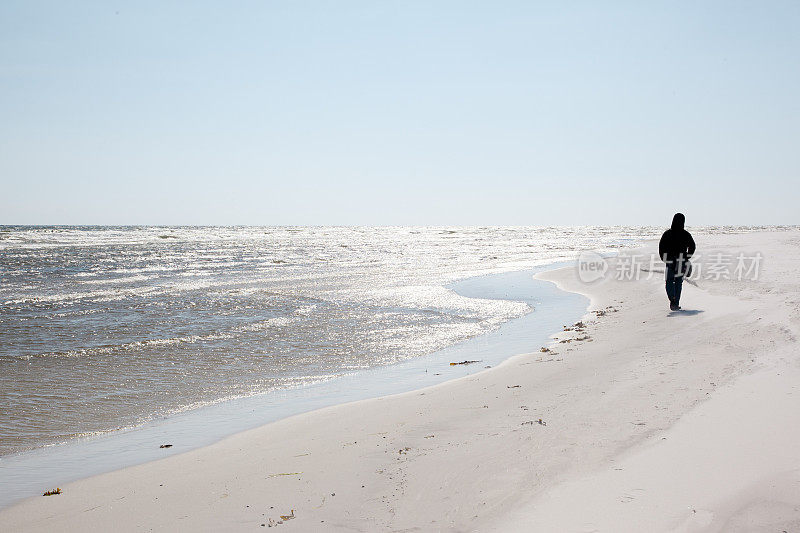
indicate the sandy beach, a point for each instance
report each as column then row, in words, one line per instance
column 642, row 420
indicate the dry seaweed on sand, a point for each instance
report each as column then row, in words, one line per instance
column 53, row 492
column 464, row 363
column 532, row 422
column 603, row 312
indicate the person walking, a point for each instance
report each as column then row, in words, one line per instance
column 675, row 248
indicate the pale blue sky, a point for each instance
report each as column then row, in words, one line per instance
column 514, row 112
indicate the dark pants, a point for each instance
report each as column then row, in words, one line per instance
column 674, row 284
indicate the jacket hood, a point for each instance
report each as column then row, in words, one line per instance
column 678, row 221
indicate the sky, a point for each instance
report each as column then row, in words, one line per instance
column 399, row 113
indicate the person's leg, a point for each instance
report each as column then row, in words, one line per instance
column 670, row 283
column 676, row 299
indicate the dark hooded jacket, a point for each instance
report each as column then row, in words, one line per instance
column 676, row 245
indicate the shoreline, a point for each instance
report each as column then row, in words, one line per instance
column 639, row 432
column 82, row 458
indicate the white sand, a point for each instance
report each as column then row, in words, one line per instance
column 658, row 423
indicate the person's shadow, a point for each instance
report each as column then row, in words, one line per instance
column 685, row 312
